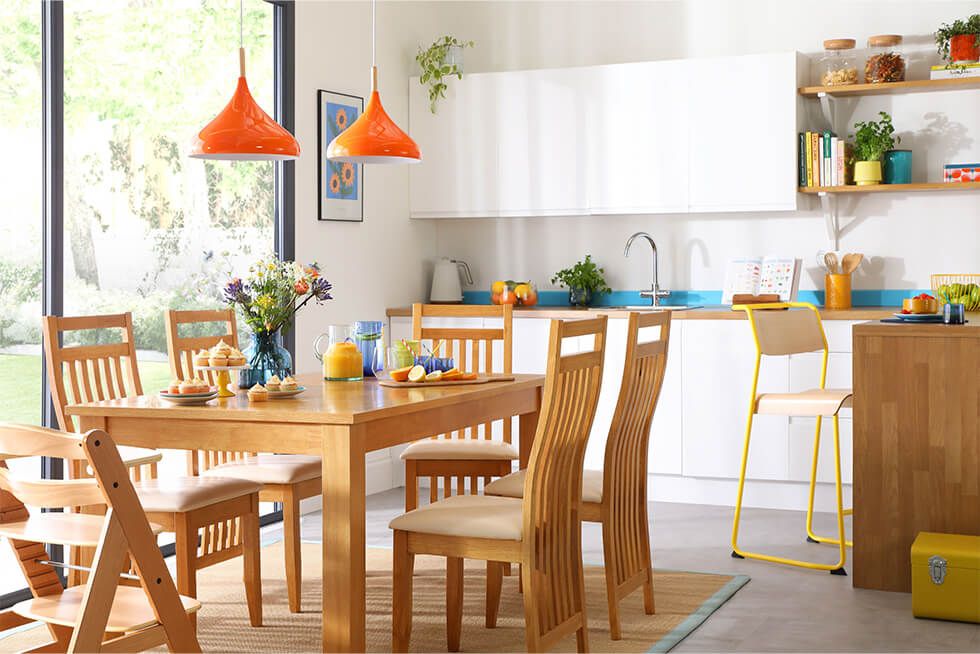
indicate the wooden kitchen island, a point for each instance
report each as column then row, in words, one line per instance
column 916, row 442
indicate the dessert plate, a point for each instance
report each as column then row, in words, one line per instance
column 920, row 317
column 283, row 395
column 189, row 399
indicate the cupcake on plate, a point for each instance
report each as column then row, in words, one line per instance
column 235, row 357
column 189, row 387
column 258, row 393
column 273, row 385
column 288, row 384
column 174, row 388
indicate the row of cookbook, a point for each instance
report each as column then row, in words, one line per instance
column 823, row 159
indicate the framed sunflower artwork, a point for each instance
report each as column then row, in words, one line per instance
column 340, row 186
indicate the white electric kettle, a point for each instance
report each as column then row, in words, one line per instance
column 446, row 286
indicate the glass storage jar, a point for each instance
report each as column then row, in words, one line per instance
column 838, row 66
column 885, row 61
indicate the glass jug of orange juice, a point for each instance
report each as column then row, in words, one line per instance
column 342, row 361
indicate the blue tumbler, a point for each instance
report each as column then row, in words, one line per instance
column 898, row 167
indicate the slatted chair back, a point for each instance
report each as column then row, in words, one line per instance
column 625, row 533
column 553, row 577
column 89, row 373
column 181, row 349
column 125, row 536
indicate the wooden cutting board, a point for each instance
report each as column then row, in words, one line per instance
column 482, row 379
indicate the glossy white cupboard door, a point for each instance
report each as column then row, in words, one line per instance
column 718, row 358
column 638, row 149
column 540, row 121
column 743, row 133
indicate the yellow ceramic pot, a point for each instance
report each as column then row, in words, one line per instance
column 867, row 172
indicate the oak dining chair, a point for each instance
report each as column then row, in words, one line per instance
column 285, row 478
column 542, row 531
column 472, row 453
column 616, row 496
column 103, row 614
column 783, row 329
column 213, row 518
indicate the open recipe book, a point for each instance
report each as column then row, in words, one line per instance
column 758, row 275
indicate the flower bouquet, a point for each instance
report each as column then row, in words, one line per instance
column 269, row 299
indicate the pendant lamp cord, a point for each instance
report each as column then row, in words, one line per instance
column 241, row 24
column 374, row 33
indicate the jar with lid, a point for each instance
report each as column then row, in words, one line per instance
column 885, row 61
column 838, row 66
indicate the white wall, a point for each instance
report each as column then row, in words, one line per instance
column 907, row 236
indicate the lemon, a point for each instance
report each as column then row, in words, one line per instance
column 416, row 374
column 434, row 376
column 497, row 287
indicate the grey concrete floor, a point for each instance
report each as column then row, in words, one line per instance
column 783, row 609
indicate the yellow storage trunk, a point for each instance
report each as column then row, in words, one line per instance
column 946, row 577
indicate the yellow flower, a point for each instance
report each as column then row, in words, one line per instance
column 347, row 173
column 334, row 183
column 341, row 119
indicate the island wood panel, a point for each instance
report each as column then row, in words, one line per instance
column 916, row 443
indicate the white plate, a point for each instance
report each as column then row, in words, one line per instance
column 920, row 317
column 168, row 395
column 189, row 400
column 282, row 395
column 241, row 367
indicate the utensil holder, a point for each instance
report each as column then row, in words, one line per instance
column 838, row 291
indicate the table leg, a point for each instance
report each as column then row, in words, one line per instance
column 528, row 425
column 344, row 566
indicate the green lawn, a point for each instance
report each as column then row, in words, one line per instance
column 22, row 376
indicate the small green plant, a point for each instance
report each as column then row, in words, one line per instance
column 584, row 275
column 959, row 27
column 873, row 138
column 435, row 69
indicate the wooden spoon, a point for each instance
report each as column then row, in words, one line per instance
column 830, row 260
column 851, row 262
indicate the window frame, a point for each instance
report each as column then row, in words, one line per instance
column 53, row 177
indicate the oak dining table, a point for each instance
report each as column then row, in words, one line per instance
column 340, row 421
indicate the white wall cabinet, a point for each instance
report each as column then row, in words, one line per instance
column 705, row 135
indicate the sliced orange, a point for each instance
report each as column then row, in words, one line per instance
column 400, row 374
column 468, row 376
column 452, row 373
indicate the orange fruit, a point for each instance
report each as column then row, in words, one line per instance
column 508, row 298
column 452, row 373
column 468, row 376
column 522, row 290
column 495, row 298
column 416, row 374
column 400, row 374
column 498, row 287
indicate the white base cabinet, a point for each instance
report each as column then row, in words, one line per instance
column 698, row 430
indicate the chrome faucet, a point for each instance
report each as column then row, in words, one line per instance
column 654, row 293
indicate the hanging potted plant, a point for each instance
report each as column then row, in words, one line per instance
column 583, row 280
column 872, row 140
column 959, row 43
column 439, row 62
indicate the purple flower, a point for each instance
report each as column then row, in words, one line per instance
column 320, row 289
column 235, row 291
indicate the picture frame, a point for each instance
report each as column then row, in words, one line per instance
column 340, row 186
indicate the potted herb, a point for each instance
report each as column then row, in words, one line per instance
column 583, row 280
column 871, row 141
column 959, row 43
column 441, row 60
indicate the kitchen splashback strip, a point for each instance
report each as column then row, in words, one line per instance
column 859, row 298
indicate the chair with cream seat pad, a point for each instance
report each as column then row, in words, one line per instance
column 284, row 478
column 102, row 614
column 212, row 521
column 616, row 496
column 471, row 453
column 782, row 329
column 542, row 532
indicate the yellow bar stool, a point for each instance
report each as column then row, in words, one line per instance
column 781, row 329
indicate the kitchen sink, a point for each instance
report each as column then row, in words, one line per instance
column 647, row 307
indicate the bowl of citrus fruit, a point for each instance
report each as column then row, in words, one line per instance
column 522, row 294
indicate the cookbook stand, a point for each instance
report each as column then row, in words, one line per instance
column 224, row 378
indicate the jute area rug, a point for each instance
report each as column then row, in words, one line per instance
column 683, row 601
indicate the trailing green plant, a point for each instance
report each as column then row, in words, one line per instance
column 873, row 138
column 435, row 69
column 959, row 27
column 583, row 275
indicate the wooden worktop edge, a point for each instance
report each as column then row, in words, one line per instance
column 709, row 313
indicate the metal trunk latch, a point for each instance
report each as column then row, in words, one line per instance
column 937, row 569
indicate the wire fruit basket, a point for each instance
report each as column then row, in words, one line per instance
column 958, row 289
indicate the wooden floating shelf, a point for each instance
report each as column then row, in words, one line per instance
column 893, row 188
column 889, row 88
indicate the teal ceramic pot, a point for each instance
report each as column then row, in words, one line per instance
column 898, row 167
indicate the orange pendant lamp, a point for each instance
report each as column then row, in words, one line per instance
column 242, row 131
column 374, row 138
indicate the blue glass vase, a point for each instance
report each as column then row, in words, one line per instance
column 265, row 357
column 368, row 336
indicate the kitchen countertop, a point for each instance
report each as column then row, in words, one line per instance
column 704, row 313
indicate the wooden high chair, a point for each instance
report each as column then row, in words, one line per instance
column 285, row 478
column 543, row 531
column 101, row 615
column 616, row 496
column 472, row 453
column 213, row 519
column 781, row 329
